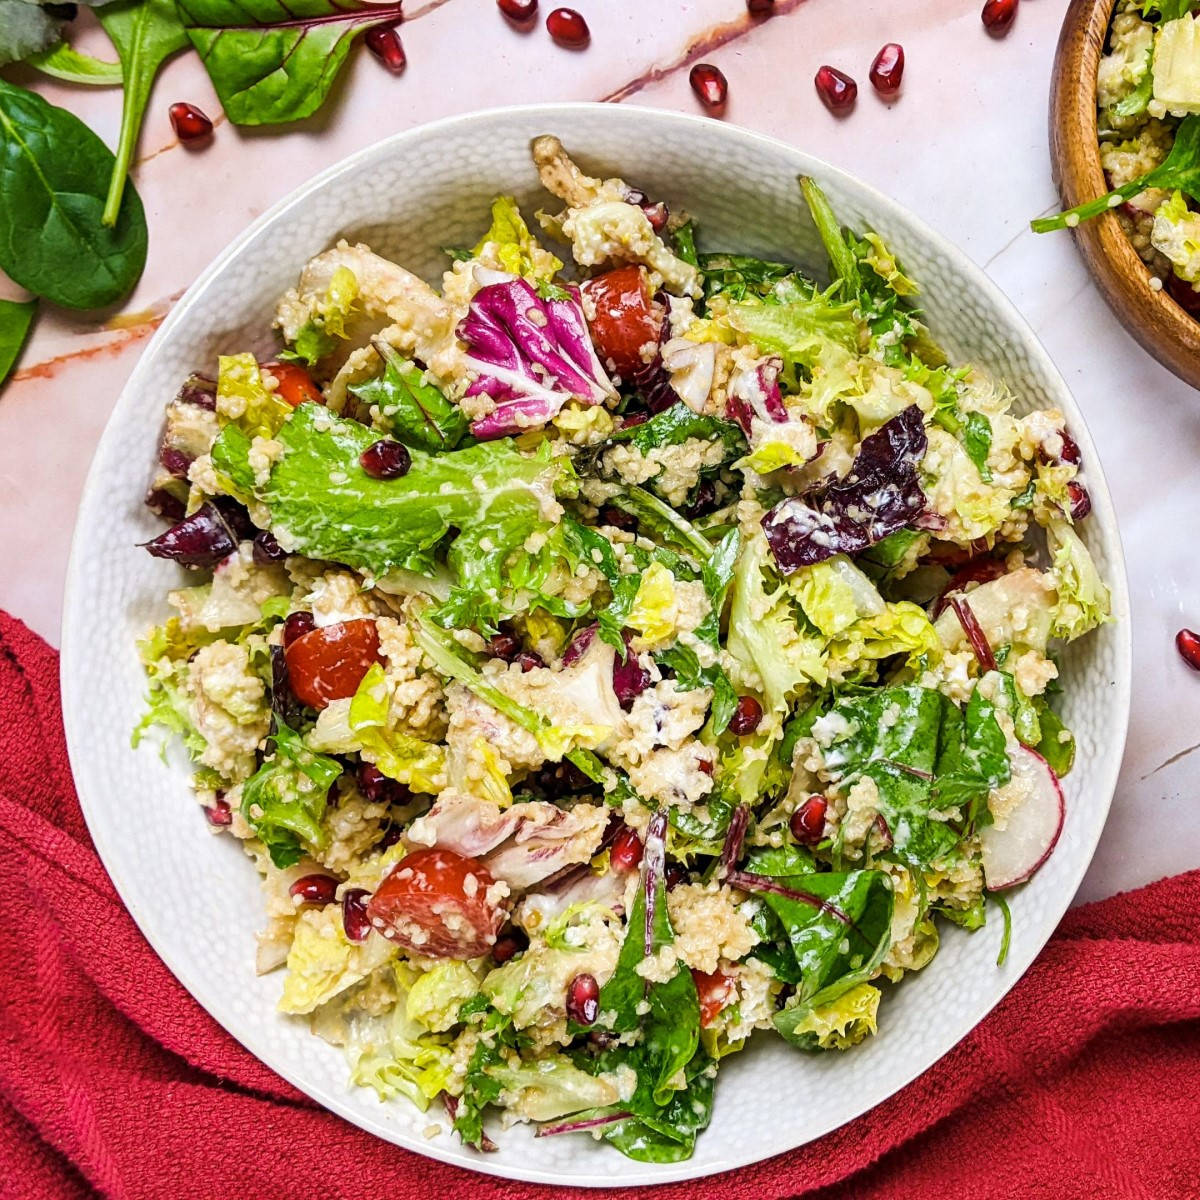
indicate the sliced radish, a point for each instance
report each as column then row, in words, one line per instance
column 1025, row 831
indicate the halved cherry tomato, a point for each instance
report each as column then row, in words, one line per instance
column 434, row 902
column 625, row 317
column 329, row 663
column 294, row 384
column 715, row 992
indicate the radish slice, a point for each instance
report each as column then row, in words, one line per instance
column 1027, row 826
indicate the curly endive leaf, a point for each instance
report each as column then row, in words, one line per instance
column 270, row 62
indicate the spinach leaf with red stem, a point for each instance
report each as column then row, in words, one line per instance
column 1180, row 169
column 145, row 33
column 272, row 64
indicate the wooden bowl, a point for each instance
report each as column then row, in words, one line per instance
column 1164, row 329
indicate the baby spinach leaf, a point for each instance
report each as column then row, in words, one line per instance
column 972, row 757
column 418, row 413
column 15, row 320
column 64, row 62
column 53, row 170
column 479, row 1088
column 1056, row 743
column 145, row 33
column 271, row 63
column 676, row 425
column 977, row 441
column 626, row 989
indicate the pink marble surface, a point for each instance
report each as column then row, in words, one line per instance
column 964, row 146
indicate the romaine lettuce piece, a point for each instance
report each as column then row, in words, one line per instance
column 436, row 996
column 551, row 1086
column 326, row 325
column 419, row 765
column 1083, row 597
column 322, row 963
column 244, row 400
column 515, row 248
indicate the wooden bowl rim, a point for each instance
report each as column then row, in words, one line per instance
column 1158, row 323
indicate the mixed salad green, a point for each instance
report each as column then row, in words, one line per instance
column 600, row 665
column 1148, row 98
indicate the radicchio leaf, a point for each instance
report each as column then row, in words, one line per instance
column 880, row 494
column 754, row 392
column 531, row 355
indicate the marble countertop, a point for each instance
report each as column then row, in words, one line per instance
column 964, row 146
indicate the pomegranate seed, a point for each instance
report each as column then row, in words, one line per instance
column 384, row 42
column 568, row 28
column 355, row 921
column 267, row 550
column 386, row 459
column 190, row 124
column 372, row 782
column 657, row 214
column 1183, row 293
column 504, row 646
column 706, row 499
column 618, row 519
column 511, row 941
column 583, row 999
column 297, row 625
column 808, row 821
column 888, row 69
column 626, row 851
column 528, row 660
column 997, row 16
column 1188, row 645
column 1081, row 501
column 1070, row 450
column 517, row 10
column 760, row 8
column 314, row 889
column 673, row 876
column 746, row 716
column 706, row 765
column 836, row 88
column 710, row 85
column 219, row 813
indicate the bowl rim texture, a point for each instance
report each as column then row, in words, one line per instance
column 1162, row 328
column 79, row 703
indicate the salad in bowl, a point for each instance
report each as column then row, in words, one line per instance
column 623, row 648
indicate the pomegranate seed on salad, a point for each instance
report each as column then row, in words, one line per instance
column 636, row 651
column 997, row 16
column 887, row 71
column 1188, row 645
column 568, row 28
column 384, row 42
column 710, row 85
column 189, row 123
column 836, row 89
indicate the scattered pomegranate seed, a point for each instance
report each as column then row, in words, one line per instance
column 384, row 42
column 355, row 921
column 1070, row 450
column 1183, row 294
column 706, row 765
column 1081, row 501
column 527, row 660
column 504, row 646
column 888, row 69
column 746, row 716
column 267, row 550
column 372, row 782
column 511, row 942
column 997, row 16
column 673, row 876
column 1188, row 645
column 568, row 28
column 808, row 821
column 386, row 459
column 297, row 625
column 760, row 8
column 189, row 123
column 314, row 889
column 517, row 10
column 658, row 215
column 836, row 89
column 583, row 999
column 626, row 851
column 710, row 85
column 219, row 813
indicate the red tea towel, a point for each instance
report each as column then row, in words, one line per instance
column 1085, row 1081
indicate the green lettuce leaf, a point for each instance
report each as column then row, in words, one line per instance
column 419, row 765
column 320, row 334
column 1083, row 598
column 517, row 248
column 839, row 1024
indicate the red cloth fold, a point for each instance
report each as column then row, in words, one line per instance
column 1085, row 1081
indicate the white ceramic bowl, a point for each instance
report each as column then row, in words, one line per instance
column 197, row 899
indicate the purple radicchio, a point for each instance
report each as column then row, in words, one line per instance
column 754, row 392
column 531, row 355
column 880, row 494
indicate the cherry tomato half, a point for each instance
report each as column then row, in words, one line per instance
column 294, row 384
column 625, row 317
column 434, row 902
column 715, row 992
column 329, row 663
